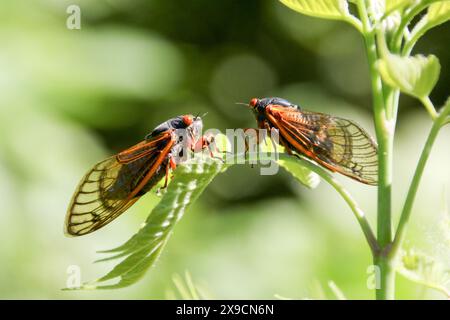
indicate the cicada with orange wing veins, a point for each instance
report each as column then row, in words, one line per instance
column 115, row 184
column 337, row 144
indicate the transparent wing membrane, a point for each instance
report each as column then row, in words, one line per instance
column 338, row 144
column 115, row 184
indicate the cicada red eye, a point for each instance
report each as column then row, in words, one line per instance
column 188, row 120
column 253, row 102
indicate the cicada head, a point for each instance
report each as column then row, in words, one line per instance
column 195, row 128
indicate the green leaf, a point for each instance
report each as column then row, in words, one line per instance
column 438, row 13
column 292, row 165
column 327, row 9
column 143, row 249
column 415, row 76
column 186, row 289
column 301, row 173
column 392, row 5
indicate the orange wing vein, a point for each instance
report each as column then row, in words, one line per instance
column 115, row 184
column 336, row 143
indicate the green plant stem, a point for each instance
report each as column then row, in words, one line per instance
column 324, row 174
column 419, row 29
column 383, row 260
column 384, row 128
column 410, row 43
column 439, row 122
column 398, row 36
column 357, row 211
column 430, row 107
column 354, row 22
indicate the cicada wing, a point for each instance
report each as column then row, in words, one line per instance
column 115, row 184
column 144, row 148
column 336, row 143
column 90, row 209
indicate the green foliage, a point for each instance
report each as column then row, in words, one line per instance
column 327, row 9
column 186, row 289
column 143, row 249
column 393, row 70
column 437, row 14
column 295, row 166
column 392, row 5
column 73, row 97
column 297, row 169
column 415, row 76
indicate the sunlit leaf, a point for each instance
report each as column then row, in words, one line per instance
column 292, row 165
column 301, row 173
column 415, row 76
column 329, row 9
column 396, row 4
column 438, row 13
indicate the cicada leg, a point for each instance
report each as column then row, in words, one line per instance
column 273, row 131
column 207, row 142
column 247, row 136
column 170, row 166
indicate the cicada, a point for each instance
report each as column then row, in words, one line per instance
column 337, row 144
column 116, row 183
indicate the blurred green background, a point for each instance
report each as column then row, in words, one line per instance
column 69, row 98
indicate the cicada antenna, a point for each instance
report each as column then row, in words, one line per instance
column 198, row 115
